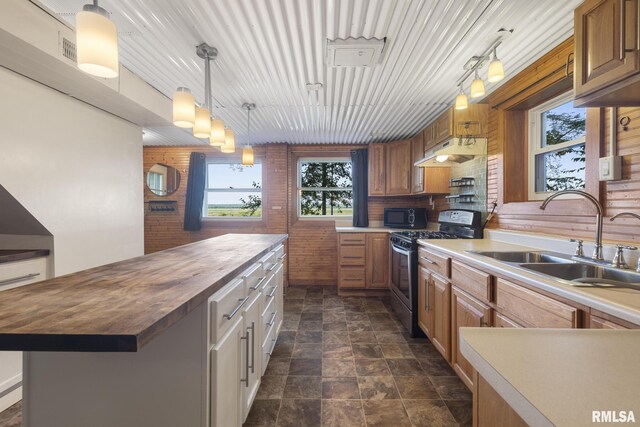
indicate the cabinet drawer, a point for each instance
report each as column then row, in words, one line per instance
column 267, row 347
column 20, row 273
column 350, row 277
column 252, row 277
column 268, row 320
column 475, row 282
column 532, row 309
column 269, row 291
column 502, row 321
column 352, row 255
column 225, row 307
column 439, row 264
column 268, row 262
column 351, row 238
column 279, row 253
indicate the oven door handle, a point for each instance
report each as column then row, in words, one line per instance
column 401, row 251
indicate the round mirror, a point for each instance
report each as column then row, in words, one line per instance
column 163, row 180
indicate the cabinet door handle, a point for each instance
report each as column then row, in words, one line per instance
column 352, row 257
column 270, row 352
column 235, row 310
column 352, row 280
column 19, row 279
column 272, row 267
column 273, row 318
column 256, row 287
column 427, row 260
column 282, row 257
column 253, row 347
column 272, row 293
column 246, row 359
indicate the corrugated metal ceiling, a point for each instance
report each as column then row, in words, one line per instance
column 269, row 50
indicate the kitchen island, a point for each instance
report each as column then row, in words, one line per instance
column 178, row 337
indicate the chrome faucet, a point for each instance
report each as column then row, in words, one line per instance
column 621, row 247
column 597, row 251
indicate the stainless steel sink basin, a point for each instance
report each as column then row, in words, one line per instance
column 588, row 274
column 526, row 257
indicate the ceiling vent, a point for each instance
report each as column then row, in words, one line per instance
column 352, row 52
column 68, row 49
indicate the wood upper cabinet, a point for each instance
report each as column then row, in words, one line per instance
column 465, row 311
column 377, row 165
column 377, row 260
column 417, row 176
column 439, row 297
column 424, row 320
column 455, row 123
column 607, row 56
column 443, row 126
column 398, row 168
column 428, row 137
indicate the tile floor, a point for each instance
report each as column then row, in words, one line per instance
column 347, row 361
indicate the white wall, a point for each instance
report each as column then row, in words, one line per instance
column 77, row 169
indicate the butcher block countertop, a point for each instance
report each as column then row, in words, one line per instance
column 21, row 254
column 120, row 307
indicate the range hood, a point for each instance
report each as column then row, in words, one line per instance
column 456, row 150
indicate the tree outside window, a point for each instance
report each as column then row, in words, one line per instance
column 325, row 188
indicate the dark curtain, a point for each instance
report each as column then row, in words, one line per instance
column 195, row 192
column 360, row 168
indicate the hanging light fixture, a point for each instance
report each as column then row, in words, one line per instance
column 202, row 126
column 229, row 142
column 96, row 42
column 217, row 137
column 496, row 70
column 461, row 100
column 247, row 151
column 184, row 108
column 477, row 86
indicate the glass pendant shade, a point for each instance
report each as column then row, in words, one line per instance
column 247, row 156
column 496, row 71
column 477, row 88
column 229, row 143
column 202, row 126
column 217, row 137
column 461, row 101
column 96, row 44
column 184, row 108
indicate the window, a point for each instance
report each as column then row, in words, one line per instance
column 324, row 188
column 155, row 182
column 233, row 191
column 556, row 147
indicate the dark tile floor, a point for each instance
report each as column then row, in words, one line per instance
column 347, row 361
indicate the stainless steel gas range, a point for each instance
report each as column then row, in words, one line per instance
column 453, row 224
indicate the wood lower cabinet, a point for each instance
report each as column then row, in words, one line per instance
column 377, row 260
column 502, row 321
column 424, row 317
column 490, row 409
column 377, row 165
column 598, row 320
column 363, row 260
column 440, row 308
column 466, row 311
column 398, row 168
column 606, row 53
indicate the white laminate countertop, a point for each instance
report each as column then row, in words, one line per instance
column 621, row 302
column 558, row 376
column 374, row 229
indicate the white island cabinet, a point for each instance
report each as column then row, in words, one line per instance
column 203, row 370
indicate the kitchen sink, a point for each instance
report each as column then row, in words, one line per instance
column 587, row 274
column 526, row 257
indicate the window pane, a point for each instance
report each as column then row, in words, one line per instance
column 325, row 174
column 561, row 169
column 224, row 175
column 325, row 203
column 563, row 123
column 233, row 204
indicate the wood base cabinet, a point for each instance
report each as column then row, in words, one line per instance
column 466, row 311
column 490, row 409
column 363, row 260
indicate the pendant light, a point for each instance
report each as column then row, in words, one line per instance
column 477, row 86
column 184, row 108
column 202, row 126
column 461, row 100
column 229, row 142
column 247, row 151
column 496, row 70
column 96, row 42
column 217, row 137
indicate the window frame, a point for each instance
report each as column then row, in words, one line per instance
column 207, row 190
column 535, row 148
column 300, row 189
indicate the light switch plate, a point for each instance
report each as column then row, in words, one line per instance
column 610, row 168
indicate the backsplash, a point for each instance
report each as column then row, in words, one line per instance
column 476, row 169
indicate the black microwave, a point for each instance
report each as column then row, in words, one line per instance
column 405, row 217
